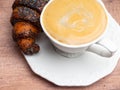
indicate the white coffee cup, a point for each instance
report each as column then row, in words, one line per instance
column 101, row 45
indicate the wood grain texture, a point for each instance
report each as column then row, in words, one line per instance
column 15, row 74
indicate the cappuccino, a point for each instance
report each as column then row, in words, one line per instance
column 75, row 22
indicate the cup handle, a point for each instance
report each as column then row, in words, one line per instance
column 104, row 47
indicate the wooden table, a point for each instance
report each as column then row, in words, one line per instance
column 15, row 74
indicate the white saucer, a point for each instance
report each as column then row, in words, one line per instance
column 80, row 71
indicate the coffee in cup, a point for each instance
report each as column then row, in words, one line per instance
column 77, row 26
column 75, row 22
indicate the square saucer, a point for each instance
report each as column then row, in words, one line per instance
column 80, row 71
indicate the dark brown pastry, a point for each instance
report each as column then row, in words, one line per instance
column 33, row 4
column 25, row 14
column 26, row 26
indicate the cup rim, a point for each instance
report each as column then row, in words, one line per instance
column 72, row 46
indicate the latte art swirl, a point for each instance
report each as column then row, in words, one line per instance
column 77, row 19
